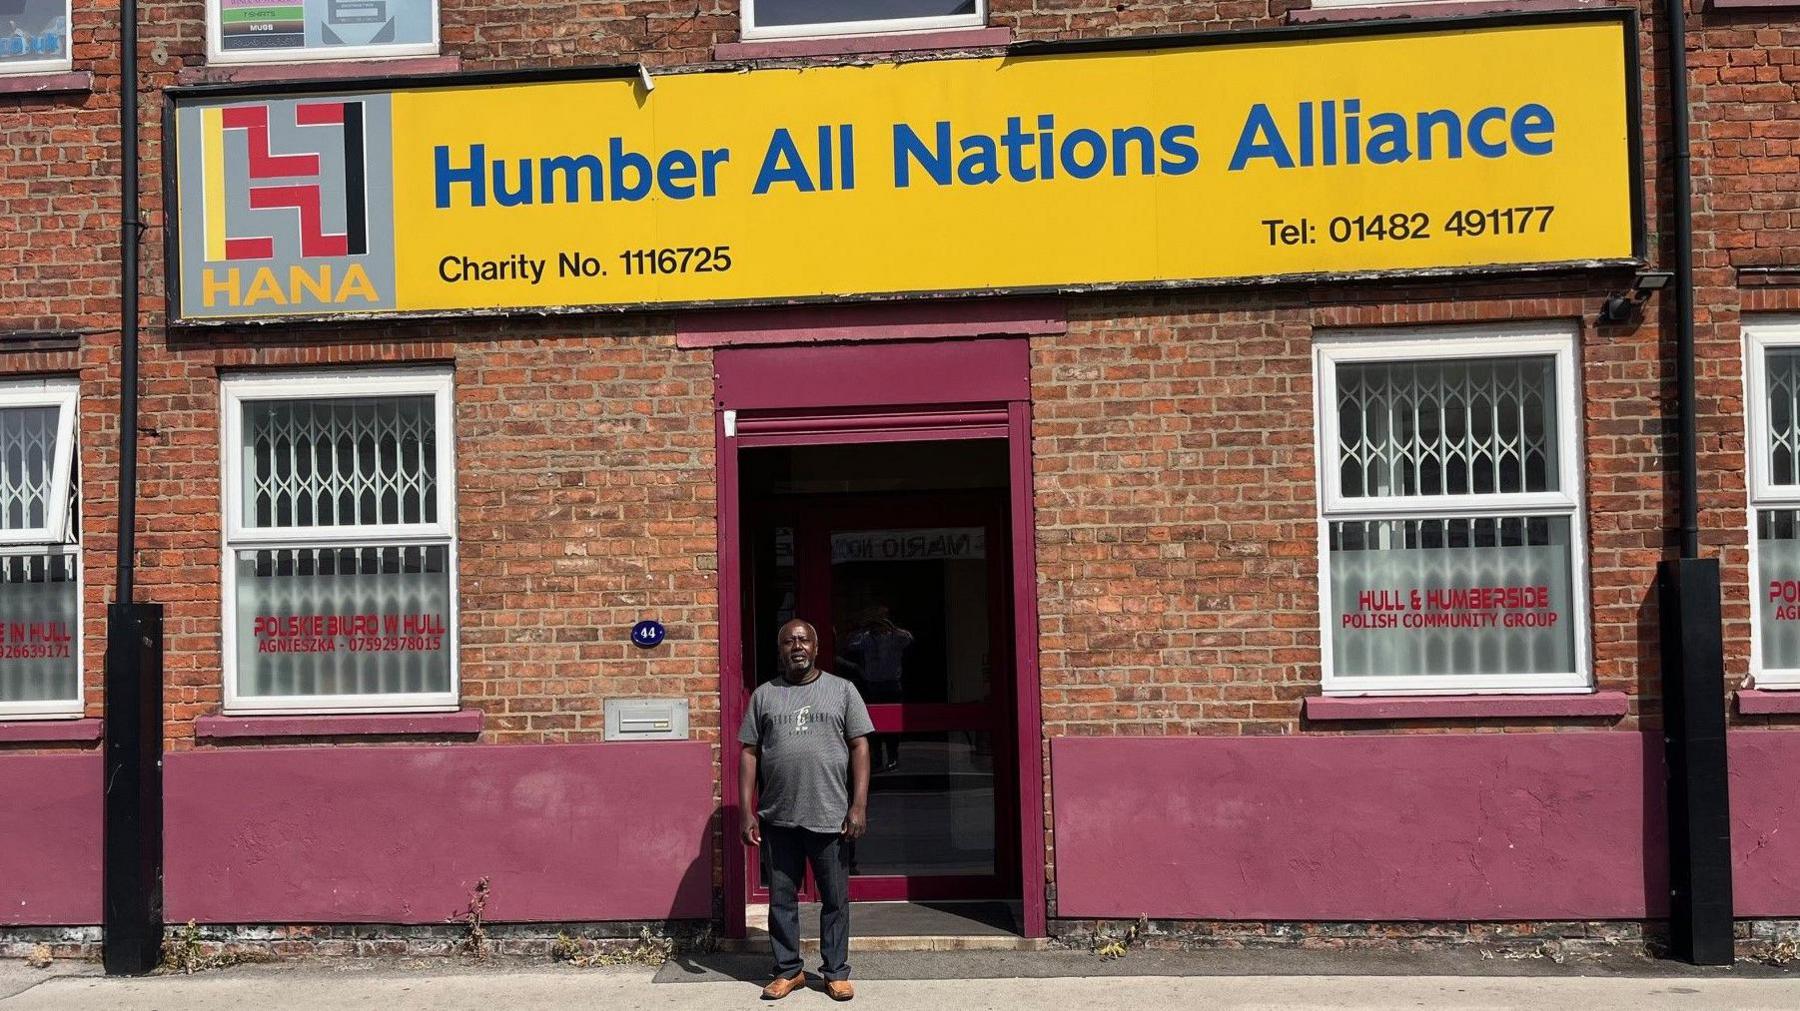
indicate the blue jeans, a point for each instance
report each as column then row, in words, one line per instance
column 789, row 851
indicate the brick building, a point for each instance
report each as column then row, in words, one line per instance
column 1198, row 569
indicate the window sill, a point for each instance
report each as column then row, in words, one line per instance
column 323, row 70
column 1450, row 8
column 1455, row 707
column 850, row 45
column 36, row 731
column 463, row 721
column 1764, row 702
column 45, row 84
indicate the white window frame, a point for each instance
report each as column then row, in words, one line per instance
column 1535, row 340
column 216, row 53
column 750, row 31
column 67, row 62
column 1760, row 337
column 50, row 539
column 235, row 392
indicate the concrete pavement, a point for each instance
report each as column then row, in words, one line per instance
column 451, row 986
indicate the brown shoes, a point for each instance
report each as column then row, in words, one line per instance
column 781, row 986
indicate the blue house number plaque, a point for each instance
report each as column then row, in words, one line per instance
column 647, row 634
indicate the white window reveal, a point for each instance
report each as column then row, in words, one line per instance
column 1451, row 515
column 1774, row 450
column 285, row 31
column 34, row 37
column 801, row 19
column 40, row 552
column 340, row 574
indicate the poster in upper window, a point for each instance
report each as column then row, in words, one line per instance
column 320, row 27
column 33, row 34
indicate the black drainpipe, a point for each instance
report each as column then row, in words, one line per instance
column 1693, row 657
column 131, row 865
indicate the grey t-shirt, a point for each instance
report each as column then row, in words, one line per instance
column 804, row 733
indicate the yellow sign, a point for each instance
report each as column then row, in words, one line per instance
column 1399, row 149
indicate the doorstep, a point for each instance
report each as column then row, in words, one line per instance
column 904, row 926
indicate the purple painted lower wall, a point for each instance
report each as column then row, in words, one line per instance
column 1455, row 827
column 1403, row 827
column 1378, row 827
column 402, row 834
column 50, row 822
column 1765, row 822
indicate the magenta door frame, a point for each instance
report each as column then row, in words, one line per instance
column 927, row 391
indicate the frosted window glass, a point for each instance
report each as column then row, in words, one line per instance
column 1777, row 588
column 1452, row 597
column 38, row 627
column 343, row 621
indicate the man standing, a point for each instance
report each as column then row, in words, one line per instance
column 807, row 733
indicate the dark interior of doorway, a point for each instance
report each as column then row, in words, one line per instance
column 944, row 784
column 915, row 472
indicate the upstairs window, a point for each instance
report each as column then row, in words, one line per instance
column 805, row 19
column 1451, row 523
column 341, row 544
column 287, row 31
column 40, row 552
column 34, row 36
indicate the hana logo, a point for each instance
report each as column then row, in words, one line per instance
column 286, row 200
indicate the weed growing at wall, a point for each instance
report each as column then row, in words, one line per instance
column 1109, row 944
column 649, row 949
column 475, row 934
column 188, row 950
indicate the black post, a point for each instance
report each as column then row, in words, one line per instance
column 1684, row 282
column 1693, row 653
column 131, row 875
column 1694, row 743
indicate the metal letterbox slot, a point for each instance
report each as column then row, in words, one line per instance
column 646, row 719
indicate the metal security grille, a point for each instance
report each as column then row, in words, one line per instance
column 1481, row 426
column 1782, row 369
column 364, row 461
column 27, row 460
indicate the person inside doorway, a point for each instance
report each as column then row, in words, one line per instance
column 803, row 790
column 879, row 648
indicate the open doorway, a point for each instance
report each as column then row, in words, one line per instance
column 899, row 554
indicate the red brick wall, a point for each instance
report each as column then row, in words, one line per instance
column 1173, row 433
column 1177, row 509
column 1745, row 82
column 585, row 503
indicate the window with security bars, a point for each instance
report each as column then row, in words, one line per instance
column 342, row 551
column 1774, row 450
column 1450, row 519
column 40, row 552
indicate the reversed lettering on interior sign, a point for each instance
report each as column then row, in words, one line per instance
column 908, row 545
